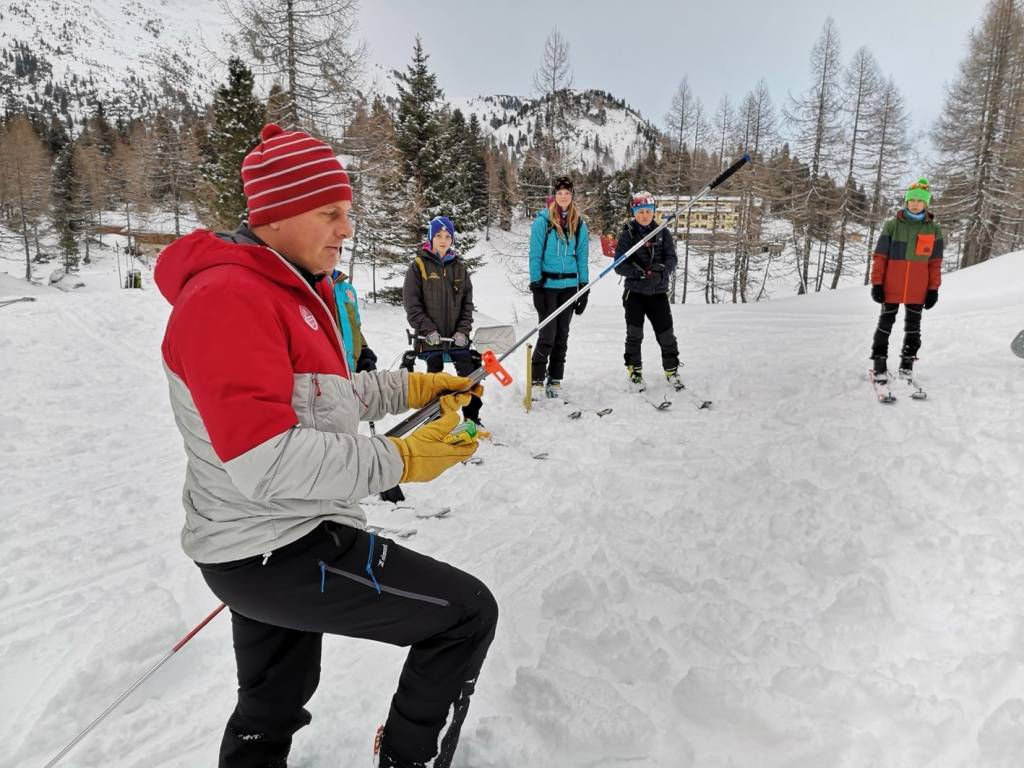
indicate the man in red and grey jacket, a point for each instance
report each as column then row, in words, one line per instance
column 269, row 411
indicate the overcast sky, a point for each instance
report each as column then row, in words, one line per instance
column 638, row 51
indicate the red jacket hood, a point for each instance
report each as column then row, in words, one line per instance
column 185, row 258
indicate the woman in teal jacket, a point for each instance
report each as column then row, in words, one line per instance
column 358, row 354
column 559, row 243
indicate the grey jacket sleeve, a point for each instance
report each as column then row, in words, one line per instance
column 308, row 464
column 381, row 393
column 412, row 298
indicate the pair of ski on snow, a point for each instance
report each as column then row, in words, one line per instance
column 660, row 405
column 664, row 404
column 885, row 394
column 883, row 390
column 576, row 413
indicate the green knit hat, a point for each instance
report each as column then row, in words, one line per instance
column 919, row 190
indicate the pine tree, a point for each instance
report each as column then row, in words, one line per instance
column 383, row 209
column 104, row 134
column 237, row 119
column 67, row 219
column 418, row 132
column 453, row 187
column 476, row 159
column 418, row 122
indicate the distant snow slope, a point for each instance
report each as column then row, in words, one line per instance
column 105, row 48
column 799, row 577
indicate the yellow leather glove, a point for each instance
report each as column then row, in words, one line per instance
column 425, row 452
column 424, row 388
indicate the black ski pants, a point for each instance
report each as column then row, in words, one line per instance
column 911, row 330
column 656, row 309
column 553, row 339
column 344, row 581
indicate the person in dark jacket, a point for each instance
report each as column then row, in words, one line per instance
column 648, row 273
column 438, row 299
column 906, row 269
column 559, row 246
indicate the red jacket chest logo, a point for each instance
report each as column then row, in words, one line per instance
column 308, row 317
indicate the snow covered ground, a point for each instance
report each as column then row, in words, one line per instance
column 799, row 577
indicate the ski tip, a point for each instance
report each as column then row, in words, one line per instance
column 746, row 158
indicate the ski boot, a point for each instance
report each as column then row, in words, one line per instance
column 672, row 377
column 636, row 378
column 553, row 388
column 881, row 373
column 906, row 367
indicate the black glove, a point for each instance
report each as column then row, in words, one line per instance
column 367, row 360
column 394, row 495
column 581, row 302
column 931, row 298
column 537, row 285
column 656, row 267
column 878, row 294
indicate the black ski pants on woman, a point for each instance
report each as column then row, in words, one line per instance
column 911, row 330
column 344, row 581
column 656, row 309
column 553, row 339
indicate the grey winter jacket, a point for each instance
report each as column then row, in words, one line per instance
column 265, row 402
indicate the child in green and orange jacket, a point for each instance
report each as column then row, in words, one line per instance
column 906, row 269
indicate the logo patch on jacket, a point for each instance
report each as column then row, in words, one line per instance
column 308, row 317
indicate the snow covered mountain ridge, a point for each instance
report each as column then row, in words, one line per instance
column 607, row 132
column 63, row 56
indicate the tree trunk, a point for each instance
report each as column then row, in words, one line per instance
column 686, row 258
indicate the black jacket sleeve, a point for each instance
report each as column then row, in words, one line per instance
column 628, row 268
column 465, row 323
column 671, row 258
column 412, row 298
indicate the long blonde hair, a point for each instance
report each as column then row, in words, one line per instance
column 573, row 219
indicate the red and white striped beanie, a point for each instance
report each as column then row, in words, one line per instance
column 288, row 173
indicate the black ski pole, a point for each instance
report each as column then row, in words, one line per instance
column 431, row 410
